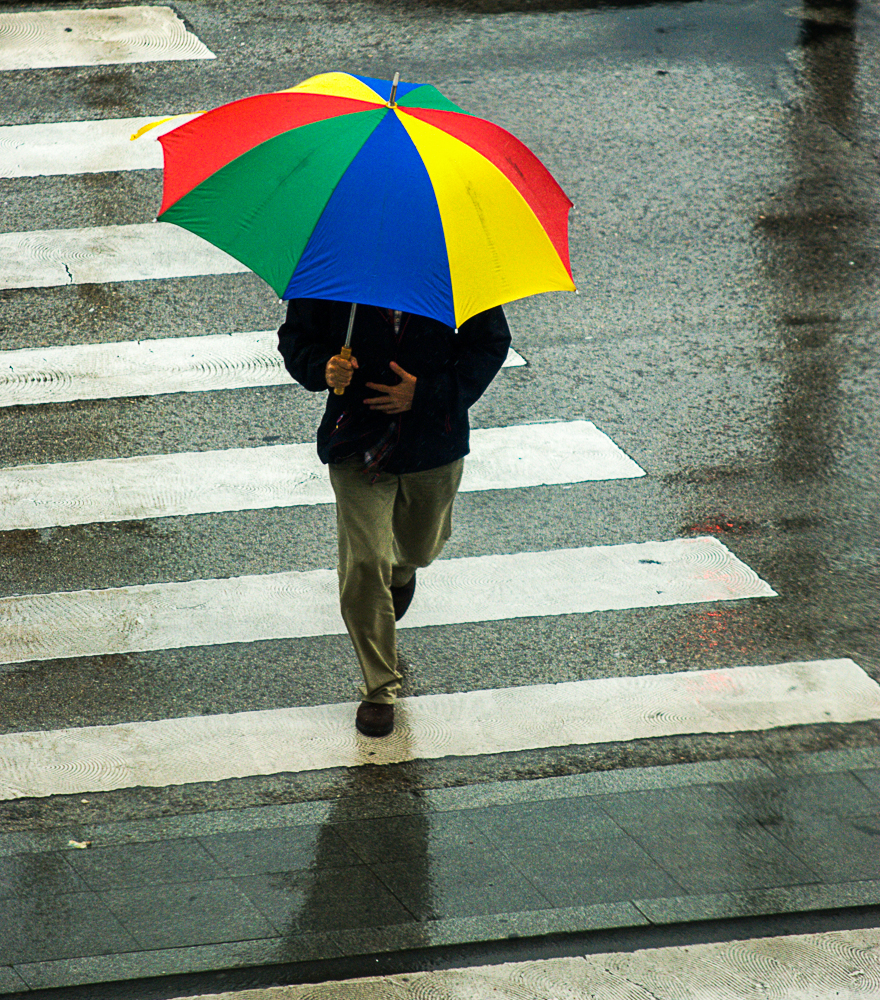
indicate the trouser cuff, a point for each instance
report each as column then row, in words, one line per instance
column 385, row 695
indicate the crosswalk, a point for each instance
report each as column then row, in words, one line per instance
column 502, row 458
column 300, row 604
column 43, row 39
column 151, row 367
column 140, row 368
column 97, row 254
column 834, row 965
column 92, row 643
column 206, row 612
column 219, row 747
column 85, row 147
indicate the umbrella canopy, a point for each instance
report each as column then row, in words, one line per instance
column 337, row 189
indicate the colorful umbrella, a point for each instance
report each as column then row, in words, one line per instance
column 360, row 190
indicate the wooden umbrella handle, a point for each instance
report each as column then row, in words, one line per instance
column 344, row 352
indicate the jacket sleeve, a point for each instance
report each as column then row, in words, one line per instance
column 482, row 343
column 305, row 344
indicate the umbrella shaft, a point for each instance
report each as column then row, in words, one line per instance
column 350, row 325
column 345, row 352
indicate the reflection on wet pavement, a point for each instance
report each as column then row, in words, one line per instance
column 422, row 854
column 390, row 864
column 810, row 238
column 388, row 879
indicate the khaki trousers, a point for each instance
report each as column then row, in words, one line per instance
column 387, row 531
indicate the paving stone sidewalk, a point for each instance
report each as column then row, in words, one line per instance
column 487, row 862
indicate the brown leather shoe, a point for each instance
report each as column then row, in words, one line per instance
column 402, row 598
column 373, row 719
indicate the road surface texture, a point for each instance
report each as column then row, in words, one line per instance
column 640, row 743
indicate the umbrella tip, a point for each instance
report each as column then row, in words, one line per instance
column 394, row 83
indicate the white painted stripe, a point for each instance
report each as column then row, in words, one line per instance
column 513, row 360
column 44, row 258
column 147, row 368
column 128, row 489
column 834, row 965
column 36, row 375
column 451, row 591
column 83, row 147
column 214, row 748
column 95, row 37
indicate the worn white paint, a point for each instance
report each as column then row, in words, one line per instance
column 147, row 368
column 451, row 591
column 44, row 258
column 140, row 368
column 513, row 360
column 39, row 39
column 127, row 489
column 214, row 748
column 834, row 965
column 83, row 147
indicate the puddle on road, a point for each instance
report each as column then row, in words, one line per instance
column 755, row 36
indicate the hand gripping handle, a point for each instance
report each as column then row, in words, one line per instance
column 344, row 352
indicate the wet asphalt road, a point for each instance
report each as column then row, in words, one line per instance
column 723, row 159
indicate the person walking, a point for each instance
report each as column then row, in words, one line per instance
column 395, row 442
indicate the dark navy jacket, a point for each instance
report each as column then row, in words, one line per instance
column 452, row 371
